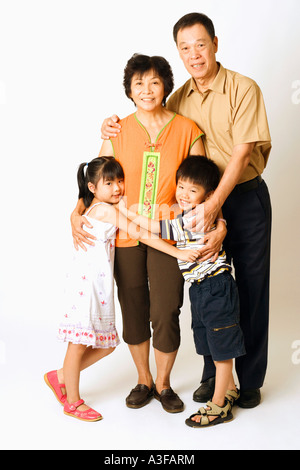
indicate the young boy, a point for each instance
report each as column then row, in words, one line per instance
column 213, row 292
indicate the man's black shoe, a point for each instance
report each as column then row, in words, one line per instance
column 206, row 390
column 249, row 398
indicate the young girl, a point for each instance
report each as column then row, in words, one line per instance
column 89, row 318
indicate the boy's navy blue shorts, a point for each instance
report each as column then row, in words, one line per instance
column 216, row 317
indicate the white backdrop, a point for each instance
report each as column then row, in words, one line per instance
column 61, row 71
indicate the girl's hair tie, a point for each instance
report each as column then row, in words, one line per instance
column 85, row 169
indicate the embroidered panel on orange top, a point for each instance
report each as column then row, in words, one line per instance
column 150, row 167
column 149, row 184
column 150, row 174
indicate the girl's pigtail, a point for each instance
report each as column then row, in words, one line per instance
column 82, row 180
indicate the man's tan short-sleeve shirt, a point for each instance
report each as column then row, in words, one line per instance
column 231, row 112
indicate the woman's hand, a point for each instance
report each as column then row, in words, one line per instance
column 110, row 127
column 80, row 236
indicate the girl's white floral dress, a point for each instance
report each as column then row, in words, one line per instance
column 89, row 315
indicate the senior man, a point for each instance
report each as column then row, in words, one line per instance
column 230, row 110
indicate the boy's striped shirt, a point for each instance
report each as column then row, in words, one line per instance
column 186, row 240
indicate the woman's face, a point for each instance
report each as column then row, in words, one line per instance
column 147, row 91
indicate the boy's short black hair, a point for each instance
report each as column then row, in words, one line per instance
column 199, row 170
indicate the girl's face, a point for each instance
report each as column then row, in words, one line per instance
column 147, row 91
column 109, row 191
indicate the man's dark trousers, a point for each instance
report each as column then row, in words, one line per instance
column 248, row 213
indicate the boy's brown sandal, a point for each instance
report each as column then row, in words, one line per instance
column 223, row 415
column 232, row 396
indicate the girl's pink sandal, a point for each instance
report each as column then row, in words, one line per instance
column 52, row 382
column 88, row 415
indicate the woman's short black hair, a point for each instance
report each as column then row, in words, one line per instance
column 190, row 20
column 199, row 170
column 140, row 64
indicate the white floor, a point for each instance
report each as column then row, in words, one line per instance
column 32, row 419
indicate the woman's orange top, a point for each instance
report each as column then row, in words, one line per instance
column 150, row 167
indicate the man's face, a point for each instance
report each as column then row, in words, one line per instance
column 197, row 51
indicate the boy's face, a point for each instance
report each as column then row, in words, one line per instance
column 189, row 194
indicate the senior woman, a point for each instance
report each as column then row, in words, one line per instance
column 152, row 144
